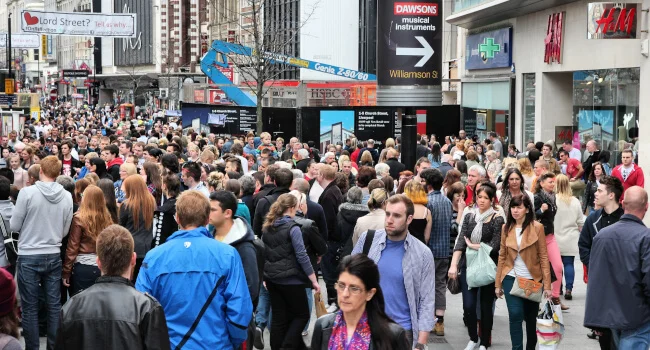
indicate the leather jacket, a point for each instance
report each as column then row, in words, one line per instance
column 325, row 324
column 79, row 242
column 112, row 314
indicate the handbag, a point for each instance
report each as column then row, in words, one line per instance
column 320, row 305
column 10, row 240
column 453, row 285
column 527, row 289
column 481, row 270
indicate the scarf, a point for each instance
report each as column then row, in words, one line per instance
column 477, row 232
column 548, row 198
column 360, row 339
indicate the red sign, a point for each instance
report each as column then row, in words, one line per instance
column 415, row 9
column 54, row 94
column 613, row 20
column 228, row 72
column 553, row 40
column 215, row 96
column 199, row 96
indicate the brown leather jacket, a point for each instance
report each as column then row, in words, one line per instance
column 79, row 242
column 532, row 251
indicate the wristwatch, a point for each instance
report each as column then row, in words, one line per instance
column 421, row 346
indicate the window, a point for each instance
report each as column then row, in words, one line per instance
column 529, row 108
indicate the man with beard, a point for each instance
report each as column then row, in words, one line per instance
column 406, row 268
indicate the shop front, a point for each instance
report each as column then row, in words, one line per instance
column 488, row 83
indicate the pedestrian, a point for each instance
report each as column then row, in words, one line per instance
column 349, row 213
column 199, row 281
column 420, row 227
column 607, row 199
column 287, row 272
column 126, row 170
column 42, row 215
column 20, row 175
column 513, row 185
column 618, row 275
column 522, row 255
column 375, row 220
column 545, row 211
column 9, row 323
column 480, row 226
column 136, row 215
column 6, row 212
column 80, row 268
column 98, row 167
column 191, row 177
column 362, row 308
column 567, row 229
column 107, row 186
column 440, row 208
column 628, row 172
column 407, row 270
column 593, row 181
column 572, row 168
column 98, row 318
column 164, row 221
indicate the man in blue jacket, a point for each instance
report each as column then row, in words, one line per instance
column 199, row 281
column 618, row 297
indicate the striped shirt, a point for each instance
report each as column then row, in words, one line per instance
column 441, row 216
column 419, row 277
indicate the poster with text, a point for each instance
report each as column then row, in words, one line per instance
column 376, row 124
column 21, row 41
column 335, row 126
column 121, row 25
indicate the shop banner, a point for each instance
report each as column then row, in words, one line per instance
column 409, row 43
column 21, row 41
column 489, row 50
column 612, row 20
column 79, row 23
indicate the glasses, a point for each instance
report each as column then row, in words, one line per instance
column 354, row 290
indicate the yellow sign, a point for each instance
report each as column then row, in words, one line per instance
column 43, row 46
column 9, row 86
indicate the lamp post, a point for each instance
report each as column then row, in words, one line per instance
column 9, row 44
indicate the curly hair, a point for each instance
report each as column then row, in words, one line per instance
column 215, row 180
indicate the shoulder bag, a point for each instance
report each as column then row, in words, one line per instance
column 10, row 240
column 527, row 289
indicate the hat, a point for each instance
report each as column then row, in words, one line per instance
column 7, row 293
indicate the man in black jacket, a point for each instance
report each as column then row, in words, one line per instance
column 395, row 166
column 370, row 147
column 283, row 179
column 619, row 276
column 97, row 318
column 268, row 186
column 330, row 200
column 314, row 210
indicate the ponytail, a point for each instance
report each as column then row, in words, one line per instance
column 277, row 210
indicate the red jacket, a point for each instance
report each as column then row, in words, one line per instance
column 635, row 178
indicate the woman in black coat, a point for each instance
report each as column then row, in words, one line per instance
column 164, row 223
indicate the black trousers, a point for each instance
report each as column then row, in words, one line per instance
column 290, row 315
column 470, row 299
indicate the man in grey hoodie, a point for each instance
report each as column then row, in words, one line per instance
column 42, row 215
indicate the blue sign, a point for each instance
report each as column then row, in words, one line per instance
column 489, row 50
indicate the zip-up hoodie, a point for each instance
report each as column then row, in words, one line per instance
column 42, row 215
column 241, row 237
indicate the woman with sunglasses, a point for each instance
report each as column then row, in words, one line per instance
column 361, row 322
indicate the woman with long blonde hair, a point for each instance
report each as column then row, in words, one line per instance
column 136, row 215
column 526, row 170
column 287, row 272
column 567, row 228
column 80, row 269
column 420, row 227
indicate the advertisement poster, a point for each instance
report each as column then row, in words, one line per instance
column 21, row 41
column 481, row 121
column 335, row 126
column 596, row 125
column 409, row 42
column 236, row 121
column 79, row 23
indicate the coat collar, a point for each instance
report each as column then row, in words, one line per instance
column 630, row 217
column 529, row 238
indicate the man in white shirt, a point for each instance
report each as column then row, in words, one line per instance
column 191, row 176
column 574, row 153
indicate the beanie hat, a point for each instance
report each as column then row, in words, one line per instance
column 7, row 293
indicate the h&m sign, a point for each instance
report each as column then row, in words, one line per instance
column 553, row 39
column 610, row 20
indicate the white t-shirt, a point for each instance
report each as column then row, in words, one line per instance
column 520, row 269
column 315, row 192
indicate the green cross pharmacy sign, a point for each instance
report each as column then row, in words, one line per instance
column 488, row 48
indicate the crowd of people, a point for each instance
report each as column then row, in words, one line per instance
column 142, row 234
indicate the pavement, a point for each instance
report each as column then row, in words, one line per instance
column 575, row 337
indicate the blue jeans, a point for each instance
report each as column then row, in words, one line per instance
column 34, row 271
column 83, row 277
column 263, row 314
column 310, row 305
column 569, row 271
column 635, row 339
column 520, row 310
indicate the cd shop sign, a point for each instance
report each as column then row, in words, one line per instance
column 409, row 43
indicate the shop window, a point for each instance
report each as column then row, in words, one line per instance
column 606, row 110
column 486, row 108
column 529, row 108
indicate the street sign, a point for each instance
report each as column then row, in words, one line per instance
column 9, row 86
column 75, row 73
column 409, row 43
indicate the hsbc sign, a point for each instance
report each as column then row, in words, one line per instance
column 415, row 9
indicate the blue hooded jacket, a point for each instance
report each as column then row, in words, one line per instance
column 182, row 273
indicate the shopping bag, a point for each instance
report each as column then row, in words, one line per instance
column 320, row 305
column 550, row 326
column 481, row 270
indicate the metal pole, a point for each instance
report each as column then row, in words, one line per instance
column 9, row 44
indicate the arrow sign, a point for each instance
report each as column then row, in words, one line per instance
column 426, row 51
